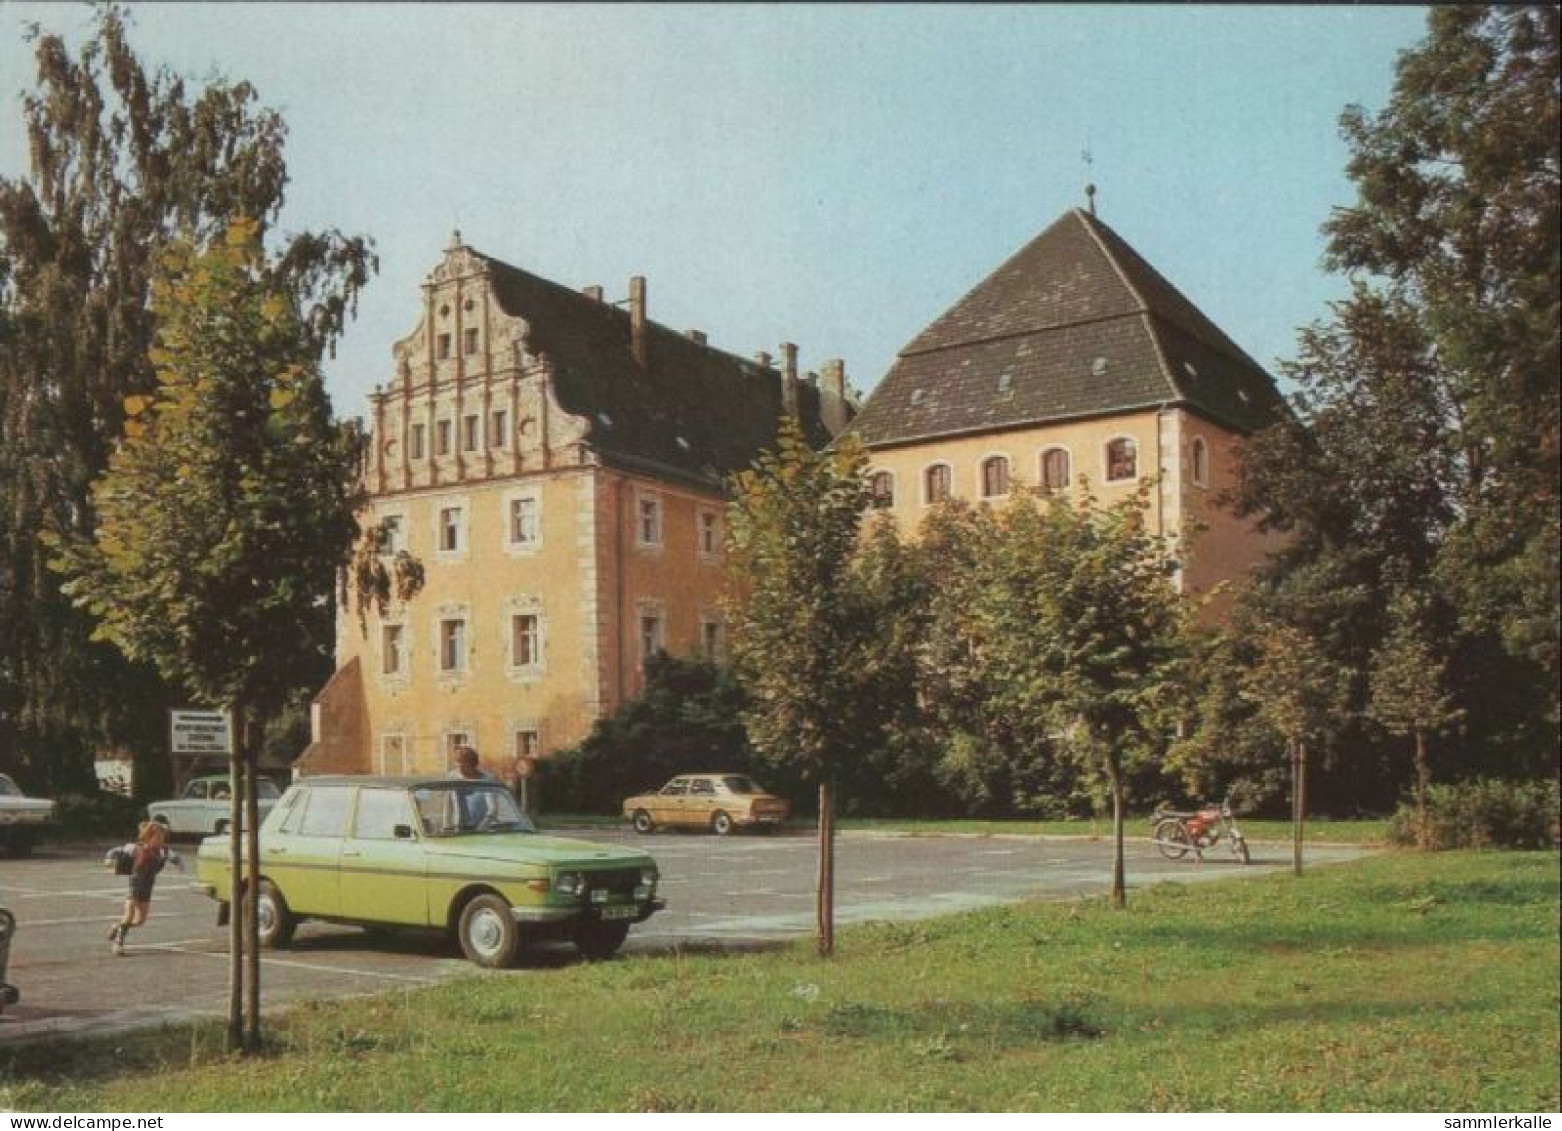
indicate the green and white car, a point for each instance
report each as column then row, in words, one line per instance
column 435, row 853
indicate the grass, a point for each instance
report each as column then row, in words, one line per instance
column 1404, row 982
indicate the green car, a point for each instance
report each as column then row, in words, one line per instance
column 443, row 853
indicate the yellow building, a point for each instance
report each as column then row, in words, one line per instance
column 1075, row 359
column 556, row 463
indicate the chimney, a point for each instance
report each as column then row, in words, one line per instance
column 593, row 292
column 789, row 379
column 762, row 359
column 638, row 345
column 697, row 336
column 834, row 410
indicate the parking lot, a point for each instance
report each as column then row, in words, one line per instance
column 738, row 891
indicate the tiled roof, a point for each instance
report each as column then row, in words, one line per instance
column 693, row 410
column 1075, row 324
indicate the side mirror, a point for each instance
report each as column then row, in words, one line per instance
column 402, row 832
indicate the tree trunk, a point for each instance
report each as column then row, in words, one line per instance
column 252, row 899
column 1423, row 783
column 1298, row 803
column 235, row 1039
column 1114, row 774
column 825, row 892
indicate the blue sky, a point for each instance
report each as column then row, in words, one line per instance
column 835, row 176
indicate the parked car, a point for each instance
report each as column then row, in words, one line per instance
column 448, row 853
column 24, row 821
column 719, row 802
column 206, row 806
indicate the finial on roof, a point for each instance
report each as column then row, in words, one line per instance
column 1089, row 158
column 1090, row 198
column 455, row 239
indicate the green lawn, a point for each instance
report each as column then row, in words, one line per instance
column 1401, row 982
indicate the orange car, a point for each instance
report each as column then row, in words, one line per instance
column 718, row 802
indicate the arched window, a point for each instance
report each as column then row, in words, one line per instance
column 1055, row 469
column 881, row 486
column 995, row 477
column 1200, row 461
column 1122, row 460
column 936, row 482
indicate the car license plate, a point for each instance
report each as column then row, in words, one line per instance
column 625, row 912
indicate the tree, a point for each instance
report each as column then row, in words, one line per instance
column 804, row 636
column 124, row 159
column 225, row 511
column 1409, row 693
column 1298, row 693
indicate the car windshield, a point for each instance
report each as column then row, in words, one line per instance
column 736, row 784
column 469, row 807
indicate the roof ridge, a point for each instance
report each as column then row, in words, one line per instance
column 1054, row 328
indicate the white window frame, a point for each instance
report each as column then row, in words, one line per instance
column 507, row 525
column 401, row 672
column 649, row 609
column 1041, row 467
column 712, row 621
column 461, row 505
column 644, row 498
column 708, row 520
column 534, row 663
column 463, row 661
column 1106, row 460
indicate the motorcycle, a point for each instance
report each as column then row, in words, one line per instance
column 1177, row 833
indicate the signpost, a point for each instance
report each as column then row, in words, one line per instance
column 196, row 734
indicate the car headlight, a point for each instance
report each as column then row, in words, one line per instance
column 569, row 883
column 646, row 888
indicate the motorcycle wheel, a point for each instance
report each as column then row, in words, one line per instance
column 1172, row 839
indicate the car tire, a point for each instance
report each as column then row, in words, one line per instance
column 276, row 922
column 599, row 941
column 721, row 824
column 488, row 933
column 643, row 823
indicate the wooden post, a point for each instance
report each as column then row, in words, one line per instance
column 235, row 1039
column 1114, row 775
column 825, row 894
column 1298, row 803
column 252, row 898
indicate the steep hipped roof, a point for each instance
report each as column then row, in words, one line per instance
column 692, row 410
column 1075, row 324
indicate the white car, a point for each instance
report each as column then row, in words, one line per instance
column 23, row 820
column 207, row 806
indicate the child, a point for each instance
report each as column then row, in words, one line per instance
column 141, row 862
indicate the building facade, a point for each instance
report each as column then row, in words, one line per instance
column 556, row 463
column 1075, row 366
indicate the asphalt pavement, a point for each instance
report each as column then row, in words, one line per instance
column 741, row 891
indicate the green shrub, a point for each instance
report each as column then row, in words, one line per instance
column 1485, row 813
column 100, row 814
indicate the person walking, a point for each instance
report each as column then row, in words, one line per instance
column 140, row 861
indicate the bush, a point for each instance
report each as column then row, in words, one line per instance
column 1485, row 813
column 100, row 814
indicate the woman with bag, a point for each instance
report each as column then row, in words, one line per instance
column 141, row 861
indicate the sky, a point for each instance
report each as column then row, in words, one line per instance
column 834, row 176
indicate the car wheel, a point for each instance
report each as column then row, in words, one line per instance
column 488, row 934
column 721, row 824
column 598, row 941
column 276, row 922
column 643, row 823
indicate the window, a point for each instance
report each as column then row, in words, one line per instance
column 442, row 438
column 1122, row 459
column 528, row 744
column 443, row 346
column 995, row 477
column 450, row 523
column 650, row 635
column 648, row 521
column 710, row 534
column 710, row 639
column 392, row 539
column 936, row 483
column 197, row 790
column 469, row 433
column 523, row 521
column 1055, row 470
column 379, row 812
column 470, row 339
column 452, row 644
column 392, row 642
column 326, row 814
column 1200, row 461
column 525, row 640
column 416, row 443
column 454, row 740
column 499, row 429
column 701, row 787
column 882, row 489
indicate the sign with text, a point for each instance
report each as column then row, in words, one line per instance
column 201, row 732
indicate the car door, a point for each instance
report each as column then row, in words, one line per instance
column 184, row 815
column 701, row 805
column 382, row 873
column 303, row 858
column 670, row 801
